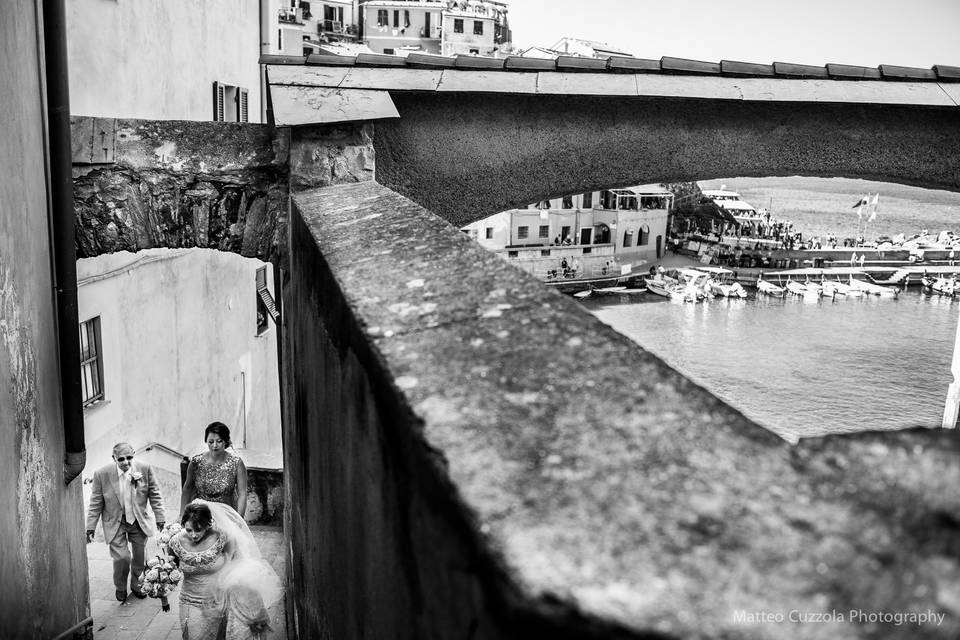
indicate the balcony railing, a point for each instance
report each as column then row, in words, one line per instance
column 290, row 16
column 336, row 27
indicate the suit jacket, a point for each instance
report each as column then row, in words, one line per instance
column 107, row 503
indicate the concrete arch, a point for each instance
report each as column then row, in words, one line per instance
column 465, row 156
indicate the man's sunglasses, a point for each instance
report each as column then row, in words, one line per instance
column 123, row 458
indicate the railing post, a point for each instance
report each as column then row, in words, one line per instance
column 953, row 391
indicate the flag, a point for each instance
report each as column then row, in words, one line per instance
column 864, row 201
column 873, row 206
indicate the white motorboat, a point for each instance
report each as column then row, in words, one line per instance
column 723, row 283
column 944, row 286
column 813, row 287
column 618, row 289
column 869, row 288
column 769, row 288
column 796, row 288
column 829, row 288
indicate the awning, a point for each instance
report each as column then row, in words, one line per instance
column 710, row 211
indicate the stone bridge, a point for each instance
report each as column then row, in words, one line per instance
column 470, row 455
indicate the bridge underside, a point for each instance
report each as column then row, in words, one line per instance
column 466, row 156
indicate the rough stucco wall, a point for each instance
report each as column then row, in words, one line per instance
column 502, row 150
column 509, row 467
column 159, row 60
column 178, row 184
column 42, row 559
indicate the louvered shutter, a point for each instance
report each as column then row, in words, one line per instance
column 218, row 91
column 244, row 116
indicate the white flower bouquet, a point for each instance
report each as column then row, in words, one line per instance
column 162, row 575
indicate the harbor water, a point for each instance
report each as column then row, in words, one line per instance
column 801, row 367
column 804, row 367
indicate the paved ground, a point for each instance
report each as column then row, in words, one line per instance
column 142, row 619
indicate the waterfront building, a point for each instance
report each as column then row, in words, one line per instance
column 447, row 27
column 620, row 229
column 300, row 28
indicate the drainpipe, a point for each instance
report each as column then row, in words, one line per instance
column 64, row 241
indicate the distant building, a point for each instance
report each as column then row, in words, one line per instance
column 300, row 28
column 165, row 60
column 575, row 47
column 586, row 48
column 627, row 226
column 392, row 26
column 448, row 27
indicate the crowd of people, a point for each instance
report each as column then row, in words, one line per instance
column 227, row 587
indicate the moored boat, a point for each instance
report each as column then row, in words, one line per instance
column 723, row 283
column 795, row 287
column 770, row 289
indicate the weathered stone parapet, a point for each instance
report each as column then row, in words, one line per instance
column 140, row 184
column 472, row 455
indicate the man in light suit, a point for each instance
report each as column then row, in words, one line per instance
column 120, row 494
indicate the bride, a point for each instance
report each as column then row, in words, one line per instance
column 227, row 587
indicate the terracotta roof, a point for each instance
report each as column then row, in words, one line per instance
column 328, row 88
column 626, row 64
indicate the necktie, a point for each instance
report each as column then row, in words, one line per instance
column 127, row 491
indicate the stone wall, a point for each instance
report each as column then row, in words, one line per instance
column 473, row 456
column 142, row 184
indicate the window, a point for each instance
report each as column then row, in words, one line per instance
column 396, row 17
column 489, row 234
column 478, row 27
column 91, row 364
column 587, row 201
column 543, row 204
column 383, row 19
column 389, row 51
column 266, row 308
column 567, row 202
column 406, row 18
column 513, row 254
column 523, row 232
column 544, row 231
column 230, row 103
column 474, row 52
column 544, row 253
column 628, row 238
column 457, row 25
column 564, row 232
column 644, row 235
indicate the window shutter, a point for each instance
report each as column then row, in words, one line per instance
column 217, row 102
column 244, row 115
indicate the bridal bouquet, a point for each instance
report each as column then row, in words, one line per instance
column 162, row 575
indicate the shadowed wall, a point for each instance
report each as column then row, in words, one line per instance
column 466, row 156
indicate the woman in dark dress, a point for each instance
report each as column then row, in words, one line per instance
column 218, row 475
